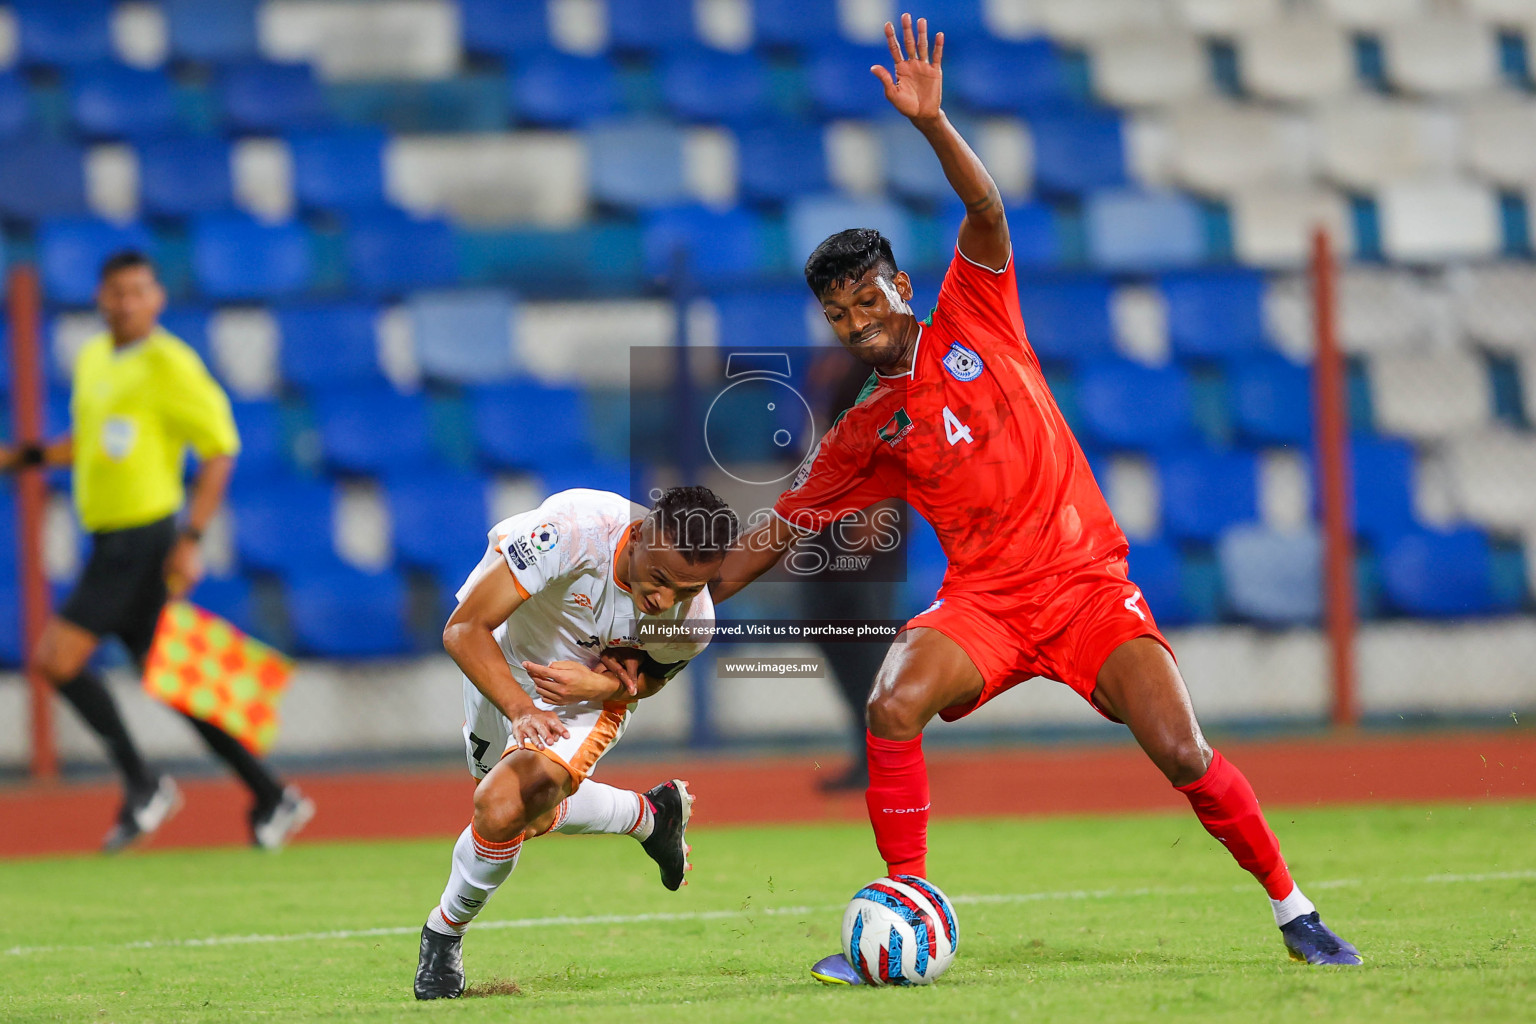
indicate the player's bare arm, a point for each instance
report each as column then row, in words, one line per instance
column 570, row 682
column 916, row 91
column 469, row 638
column 184, row 565
column 56, row 454
column 754, row 554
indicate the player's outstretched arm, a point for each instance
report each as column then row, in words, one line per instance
column 915, row 90
column 754, row 554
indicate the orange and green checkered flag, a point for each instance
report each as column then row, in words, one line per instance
column 202, row 665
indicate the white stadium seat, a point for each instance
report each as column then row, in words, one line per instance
column 262, row 170
column 1379, row 311
column 1430, row 396
column 710, row 164
column 1441, row 56
column 387, row 39
column 1078, row 21
column 1224, row 17
column 1510, row 13
column 1439, row 219
column 1493, row 478
column 563, row 342
column 1366, row 142
column 1219, row 147
column 245, row 345
column 1496, row 307
column 489, row 179
column 1272, row 225
column 10, row 38
column 1132, row 490
column 140, row 36
column 112, row 181
column 1374, row 14
column 1149, row 68
column 1296, row 59
column 1500, row 137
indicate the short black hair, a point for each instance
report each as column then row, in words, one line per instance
column 696, row 521
column 848, row 256
column 124, row 259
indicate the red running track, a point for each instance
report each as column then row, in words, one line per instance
column 37, row 820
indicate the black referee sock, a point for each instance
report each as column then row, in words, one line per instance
column 88, row 695
column 262, row 784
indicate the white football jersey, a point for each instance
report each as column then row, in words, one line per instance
column 562, row 556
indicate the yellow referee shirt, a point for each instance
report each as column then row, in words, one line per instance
column 135, row 411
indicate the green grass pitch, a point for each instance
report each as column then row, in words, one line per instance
column 1096, row 919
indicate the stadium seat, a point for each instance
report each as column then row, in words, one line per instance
column 530, row 426
column 926, row 566
column 637, row 164
column 1367, row 142
column 373, row 431
column 1214, row 313
column 1441, row 56
column 1439, row 574
column 1205, row 492
column 1270, row 400
column 602, row 255
column 1272, row 225
column 720, row 245
column 1295, row 59
column 553, row 88
column 281, row 526
column 1127, row 405
column 41, row 178
column 912, row 172
column 221, row 31
column 840, row 85
column 440, row 521
column 1383, row 483
column 229, row 597
column 1129, row 230
column 341, row 612
column 798, row 23
column 51, row 32
column 1221, row 147
column 1078, row 151
column 503, row 28
column 9, row 524
column 190, row 324
column 332, row 345
column 598, row 475
column 1500, row 138
column 649, row 24
column 238, row 257
column 338, row 170
column 389, row 253
column 999, row 77
column 72, row 250
column 1149, row 68
column 113, row 100
column 751, row 318
column 1157, row 570
column 10, row 624
column 1272, row 577
column 1432, row 396
column 1493, row 478
column 812, row 219
column 780, row 161
column 700, row 84
column 1067, row 317
column 1496, row 306
column 1432, row 221
column 464, row 337
column 180, row 177
column 265, row 97
column 15, row 105
column 475, row 102
column 263, row 449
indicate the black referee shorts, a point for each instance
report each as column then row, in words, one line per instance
column 122, row 589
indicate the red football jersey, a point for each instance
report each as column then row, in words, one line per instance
column 972, row 438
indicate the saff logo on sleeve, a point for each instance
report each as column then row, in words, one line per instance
column 545, row 537
column 962, row 363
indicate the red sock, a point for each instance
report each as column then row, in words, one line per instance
column 897, row 799
column 1226, row 806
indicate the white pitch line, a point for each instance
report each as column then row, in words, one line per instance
column 719, row 915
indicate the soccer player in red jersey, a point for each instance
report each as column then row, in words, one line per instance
column 958, row 420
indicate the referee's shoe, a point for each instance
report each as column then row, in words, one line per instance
column 143, row 815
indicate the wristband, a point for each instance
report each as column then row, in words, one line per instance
column 30, row 455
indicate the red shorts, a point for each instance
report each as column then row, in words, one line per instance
column 1063, row 627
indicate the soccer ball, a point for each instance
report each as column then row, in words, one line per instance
column 545, row 537
column 900, row 931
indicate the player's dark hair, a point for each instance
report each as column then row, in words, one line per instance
column 695, row 521
column 124, row 259
column 848, row 256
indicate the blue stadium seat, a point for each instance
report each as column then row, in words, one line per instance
column 54, row 32
column 649, row 24
column 527, row 425
column 265, row 97
column 553, row 88
column 190, row 324
column 1204, row 492
column 343, row 612
column 1077, row 151
column 1008, row 77
column 1130, row 230
column 1032, row 231
column 1158, row 570
column 1440, row 574
column 1270, row 400
column 10, row 624
column 503, row 28
column 596, row 474
column 1127, row 405
column 838, row 79
column 41, row 178
column 913, row 172
column 329, row 345
column 601, row 255
column 926, row 566
column 113, row 100
column 263, row 450
column 342, row 170
column 637, row 164
column 957, row 19
column 235, row 256
column 281, row 526
column 9, row 552
column 389, row 253
column 774, row 316
column 464, row 337
column 179, row 177
column 1067, row 317
column 229, row 597
column 1214, row 313
column 440, row 521
column 373, row 431
column 1272, row 577
column 720, row 245
column 778, row 162
column 699, row 84
column 794, row 22
column 222, row 31
column 15, row 104
column 812, row 219
column 1382, row 472
column 72, row 250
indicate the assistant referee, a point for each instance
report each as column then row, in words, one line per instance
column 141, row 397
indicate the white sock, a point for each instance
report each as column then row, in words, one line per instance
column 598, row 809
column 478, row 868
column 1293, row 906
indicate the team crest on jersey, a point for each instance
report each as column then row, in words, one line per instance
column 962, row 363
column 896, row 428
column 545, row 537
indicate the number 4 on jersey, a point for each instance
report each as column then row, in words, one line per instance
column 954, row 430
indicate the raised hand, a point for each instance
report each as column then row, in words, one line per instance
column 918, row 83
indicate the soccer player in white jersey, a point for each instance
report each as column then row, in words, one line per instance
column 547, row 635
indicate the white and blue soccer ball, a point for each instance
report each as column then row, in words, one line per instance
column 900, row 931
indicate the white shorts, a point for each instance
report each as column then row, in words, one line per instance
column 594, row 729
